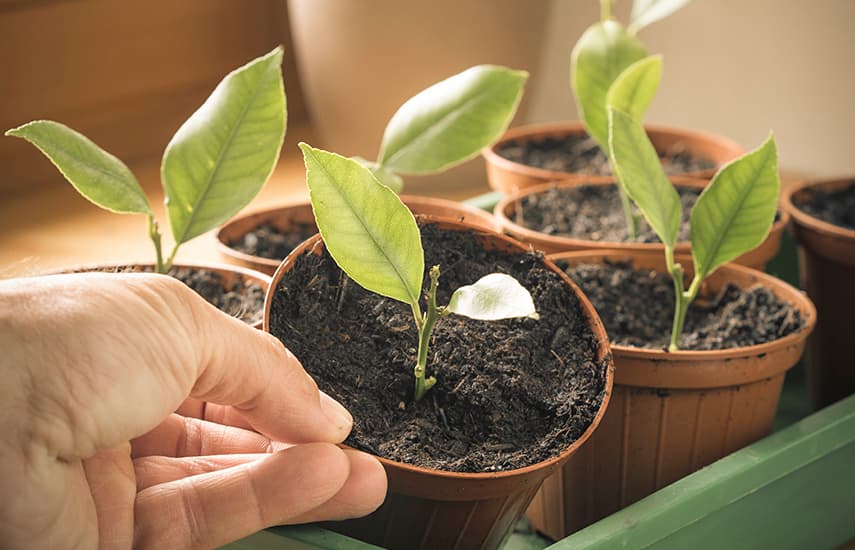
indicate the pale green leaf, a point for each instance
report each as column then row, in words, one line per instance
column 645, row 12
column 640, row 172
column 451, row 121
column 223, row 154
column 602, row 53
column 634, row 89
column 736, row 210
column 369, row 232
column 95, row 173
column 492, row 297
column 387, row 177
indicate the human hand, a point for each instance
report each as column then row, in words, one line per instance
column 92, row 455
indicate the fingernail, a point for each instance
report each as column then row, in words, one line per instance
column 336, row 412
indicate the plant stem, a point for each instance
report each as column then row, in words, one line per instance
column 425, row 330
column 168, row 265
column 606, row 9
column 154, row 235
column 682, row 298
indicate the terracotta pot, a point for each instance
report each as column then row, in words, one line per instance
column 396, row 43
column 507, row 176
column 286, row 218
column 827, row 270
column 671, row 413
column 506, row 210
column 426, row 508
column 230, row 274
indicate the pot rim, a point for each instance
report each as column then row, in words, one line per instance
column 266, row 214
column 596, row 326
column 504, row 221
column 802, row 218
column 797, row 299
column 490, row 153
column 211, row 266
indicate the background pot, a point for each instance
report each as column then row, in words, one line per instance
column 506, row 209
column 396, row 43
column 507, row 176
column 426, row 509
column 827, row 271
column 671, row 413
column 290, row 217
column 230, row 274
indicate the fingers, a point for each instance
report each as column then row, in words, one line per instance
column 110, row 476
column 212, row 509
column 179, row 436
column 363, row 493
column 154, row 470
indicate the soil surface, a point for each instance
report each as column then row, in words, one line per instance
column 637, row 307
column 244, row 301
column 268, row 241
column 837, row 207
column 579, row 154
column 509, row 393
column 594, row 213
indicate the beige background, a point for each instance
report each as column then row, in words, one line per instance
column 734, row 67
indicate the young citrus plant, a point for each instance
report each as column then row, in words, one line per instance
column 374, row 239
column 215, row 164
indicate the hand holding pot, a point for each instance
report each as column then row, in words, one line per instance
column 92, row 454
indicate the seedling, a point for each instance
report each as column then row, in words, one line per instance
column 374, row 239
column 447, row 123
column 733, row 214
column 215, row 164
column 610, row 65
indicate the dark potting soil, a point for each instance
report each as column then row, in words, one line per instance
column 637, row 308
column 244, row 301
column 837, row 207
column 509, row 393
column 268, row 241
column 580, row 154
column 594, row 213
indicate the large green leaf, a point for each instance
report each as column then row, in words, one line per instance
column 634, row 89
column 736, row 210
column 368, row 231
column 451, row 121
column 602, row 53
column 640, row 173
column 223, row 154
column 492, row 297
column 95, row 173
column 645, row 12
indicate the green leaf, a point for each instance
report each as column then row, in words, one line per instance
column 634, row 90
column 736, row 210
column 645, row 12
column 602, row 53
column 492, row 297
column 387, row 177
column 640, row 172
column 223, row 154
column 451, row 121
column 95, row 173
column 367, row 230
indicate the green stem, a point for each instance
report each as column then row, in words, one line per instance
column 682, row 298
column 154, row 235
column 431, row 316
column 168, row 265
column 606, row 9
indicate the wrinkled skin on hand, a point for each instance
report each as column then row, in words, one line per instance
column 134, row 414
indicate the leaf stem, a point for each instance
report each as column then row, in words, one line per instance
column 606, row 9
column 682, row 298
column 168, row 265
column 629, row 215
column 426, row 328
column 154, row 235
